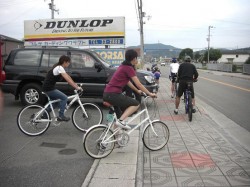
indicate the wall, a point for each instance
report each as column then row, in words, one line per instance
column 237, row 59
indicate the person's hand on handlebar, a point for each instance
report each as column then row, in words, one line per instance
column 79, row 89
column 140, row 92
column 153, row 95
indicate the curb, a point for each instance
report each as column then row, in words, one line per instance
column 91, row 173
column 113, row 177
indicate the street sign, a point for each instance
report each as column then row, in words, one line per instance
column 113, row 41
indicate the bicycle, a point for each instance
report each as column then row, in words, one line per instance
column 99, row 141
column 175, row 85
column 188, row 101
column 31, row 122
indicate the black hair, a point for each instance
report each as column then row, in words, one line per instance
column 129, row 56
column 62, row 59
column 187, row 59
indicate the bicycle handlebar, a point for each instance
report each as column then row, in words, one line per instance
column 79, row 91
column 145, row 95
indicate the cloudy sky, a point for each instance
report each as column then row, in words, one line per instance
column 180, row 23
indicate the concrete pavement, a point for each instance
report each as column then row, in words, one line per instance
column 209, row 151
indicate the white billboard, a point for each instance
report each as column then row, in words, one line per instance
column 75, row 31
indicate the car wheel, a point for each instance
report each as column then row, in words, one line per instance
column 31, row 94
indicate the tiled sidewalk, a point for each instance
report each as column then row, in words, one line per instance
column 199, row 153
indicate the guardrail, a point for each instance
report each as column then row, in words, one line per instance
column 216, row 67
column 245, row 68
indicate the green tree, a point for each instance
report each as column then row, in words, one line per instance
column 185, row 52
column 214, row 54
column 248, row 61
column 197, row 56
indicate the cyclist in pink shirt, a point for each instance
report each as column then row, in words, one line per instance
column 122, row 77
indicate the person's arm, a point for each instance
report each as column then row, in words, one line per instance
column 130, row 84
column 141, row 87
column 196, row 74
column 179, row 72
column 70, row 81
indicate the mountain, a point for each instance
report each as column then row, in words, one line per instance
column 160, row 50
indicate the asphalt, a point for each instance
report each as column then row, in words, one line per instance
column 211, row 150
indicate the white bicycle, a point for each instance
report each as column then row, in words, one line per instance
column 31, row 122
column 99, row 141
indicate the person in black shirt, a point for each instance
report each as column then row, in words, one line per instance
column 54, row 75
column 186, row 73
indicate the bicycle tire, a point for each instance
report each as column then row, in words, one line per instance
column 153, row 142
column 186, row 102
column 190, row 108
column 152, row 107
column 92, row 142
column 175, row 89
column 81, row 122
column 27, row 124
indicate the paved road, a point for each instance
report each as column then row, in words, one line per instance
column 55, row 158
column 227, row 94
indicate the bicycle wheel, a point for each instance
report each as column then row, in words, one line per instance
column 93, row 139
column 151, row 106
column 83, row 122
column 186, row 103
column 190, row 107
column 155, row 139
column 31, row 124
column 175, row 89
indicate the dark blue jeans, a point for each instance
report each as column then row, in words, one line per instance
column 56, row 94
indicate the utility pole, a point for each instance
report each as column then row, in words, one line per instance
column 208, row 40
column 141, row 15
column 53, row 9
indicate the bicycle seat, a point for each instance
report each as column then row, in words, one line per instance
column 107, row 104
column 189, row 84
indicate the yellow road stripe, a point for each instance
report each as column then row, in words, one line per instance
column 230, row 85
column 97, row 34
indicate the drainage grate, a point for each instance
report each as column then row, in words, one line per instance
column 67, row 151
column 53, row 145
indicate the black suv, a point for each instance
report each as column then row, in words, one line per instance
column 26, row 69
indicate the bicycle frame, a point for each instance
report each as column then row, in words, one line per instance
column 145, row 110
column 186, row 95
column 50, row 103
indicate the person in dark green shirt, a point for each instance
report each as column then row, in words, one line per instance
column 186, row 73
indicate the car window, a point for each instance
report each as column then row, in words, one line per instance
column 81, row 60
column 51, row 57
column 27, row 58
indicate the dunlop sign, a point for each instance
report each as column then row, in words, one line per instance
column 75, row 32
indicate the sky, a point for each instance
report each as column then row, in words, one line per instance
column 180, row 23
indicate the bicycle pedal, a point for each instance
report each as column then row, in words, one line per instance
column 57, row 123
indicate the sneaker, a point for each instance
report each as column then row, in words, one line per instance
column 193, row 111
column 176, row 111
column 63, row 118
column 124, row 126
